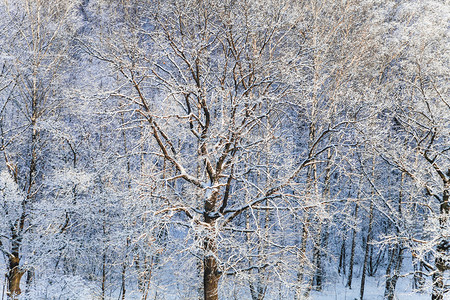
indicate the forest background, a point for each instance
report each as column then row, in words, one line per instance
column 205, row 149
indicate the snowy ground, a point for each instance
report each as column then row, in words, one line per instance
column 374, row 290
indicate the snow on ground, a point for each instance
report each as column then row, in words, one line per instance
column 374, row 290
column 334, row 291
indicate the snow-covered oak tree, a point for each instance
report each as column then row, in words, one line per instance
column 207, row 79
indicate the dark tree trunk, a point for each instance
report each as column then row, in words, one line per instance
column 366, row 255
column 374, row 263
column 321, row 276
column 124, row 270
column 352, row 253
column 14, row 275
column 123, row 288
column 438, row 284
column 441, row 263
column 103, row 274
column 396, row 257
column 323, row 235
column 316, row 281
column 393, row 272
column 441, row 260
column 29, row 281
column 257, row 292
column 211, row 274
column 342, row 258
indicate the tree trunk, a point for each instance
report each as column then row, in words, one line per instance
column 316, row 281
column 148, row 277
column 211, row 273
column 200, row 290
column 29, row 280
column 301, row 254
column 441, row 260
column 123, row 289
column 342, row 257
column 103, row 274
column 14, row 275
column 352, row 253
column 438, row 283
column 321, row 275
column 323, row 232
column 396, row 258
column 393, row 271
column 124, row 270
column 418, row 280
column 14, row 272
column 366, row 255
column 439, row 288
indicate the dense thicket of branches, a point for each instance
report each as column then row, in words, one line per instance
column 205, row 149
